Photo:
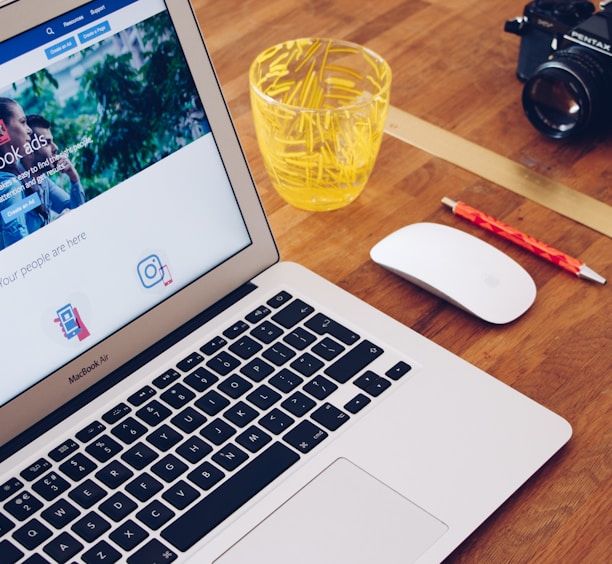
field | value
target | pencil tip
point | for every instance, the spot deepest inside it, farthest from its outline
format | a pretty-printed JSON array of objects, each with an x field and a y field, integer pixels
[{"x": 589, "y": 274}]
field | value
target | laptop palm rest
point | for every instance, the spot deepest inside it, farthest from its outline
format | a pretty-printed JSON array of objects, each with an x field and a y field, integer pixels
[{"x": 343, "y": 515}]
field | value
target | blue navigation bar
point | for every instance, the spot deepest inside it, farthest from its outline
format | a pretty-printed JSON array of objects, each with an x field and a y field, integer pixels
[{"x": 61, "y": 26}]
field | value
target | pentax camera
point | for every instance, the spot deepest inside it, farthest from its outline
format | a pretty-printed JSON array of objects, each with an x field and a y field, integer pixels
[{"x": 565, "y": 60}]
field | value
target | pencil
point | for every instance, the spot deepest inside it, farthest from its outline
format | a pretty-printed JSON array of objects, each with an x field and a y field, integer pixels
[{"x": 534, "y": 246}]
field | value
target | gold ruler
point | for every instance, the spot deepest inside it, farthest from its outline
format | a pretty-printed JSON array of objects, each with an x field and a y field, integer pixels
[{"x": 500, "y": 170}]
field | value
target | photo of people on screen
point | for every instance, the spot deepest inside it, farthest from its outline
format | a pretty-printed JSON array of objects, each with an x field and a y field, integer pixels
[{"x": 88, "y": 121}]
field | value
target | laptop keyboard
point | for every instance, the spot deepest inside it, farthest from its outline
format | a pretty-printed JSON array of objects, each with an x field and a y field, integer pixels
[{"x": 155, "y": 474}]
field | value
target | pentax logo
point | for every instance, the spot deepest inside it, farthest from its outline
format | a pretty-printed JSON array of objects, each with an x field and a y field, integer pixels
[{"x": 601, "y": 45}]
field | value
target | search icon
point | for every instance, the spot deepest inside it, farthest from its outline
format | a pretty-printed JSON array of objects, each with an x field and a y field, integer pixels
[{"x": 50, "y": 31}]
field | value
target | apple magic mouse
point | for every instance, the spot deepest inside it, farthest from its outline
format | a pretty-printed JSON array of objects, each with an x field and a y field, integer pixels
[{"x": 460, "y": 268}]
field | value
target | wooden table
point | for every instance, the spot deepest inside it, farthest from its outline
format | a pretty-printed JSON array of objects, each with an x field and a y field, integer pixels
[{"x": 454, "y": 66}]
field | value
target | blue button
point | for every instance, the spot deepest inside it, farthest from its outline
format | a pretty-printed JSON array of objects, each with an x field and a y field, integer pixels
[
  {"x": 13, "y": 212},
  {"x": 60, "y": 48},
  {"x": 93, "y": 32}
]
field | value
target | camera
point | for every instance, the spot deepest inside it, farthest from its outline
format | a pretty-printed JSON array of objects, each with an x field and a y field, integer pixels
[{"x": 565, "y": 60}]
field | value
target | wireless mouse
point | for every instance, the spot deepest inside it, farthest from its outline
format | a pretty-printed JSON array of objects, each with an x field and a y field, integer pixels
[{"x": 460, "y": 268}]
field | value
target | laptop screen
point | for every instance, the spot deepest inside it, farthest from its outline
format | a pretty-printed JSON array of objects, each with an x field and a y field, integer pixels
[{"x": 113, "y": 193}]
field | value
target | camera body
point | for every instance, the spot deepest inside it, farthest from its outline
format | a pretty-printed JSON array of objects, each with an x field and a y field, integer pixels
[{"x": 565, "y": 59}]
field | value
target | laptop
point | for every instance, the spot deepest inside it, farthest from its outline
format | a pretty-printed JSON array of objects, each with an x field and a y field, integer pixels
[{"x": 170, "y": 390}]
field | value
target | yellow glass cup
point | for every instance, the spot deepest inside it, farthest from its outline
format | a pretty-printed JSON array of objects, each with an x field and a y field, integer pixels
[{"x": 319, "y": 107}]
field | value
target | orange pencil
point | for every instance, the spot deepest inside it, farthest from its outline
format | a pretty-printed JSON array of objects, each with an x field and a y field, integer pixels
[{"x": 534, "y": 246}]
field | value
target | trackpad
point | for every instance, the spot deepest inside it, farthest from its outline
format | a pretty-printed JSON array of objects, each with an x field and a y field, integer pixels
[{"x": 343, "y": 515}]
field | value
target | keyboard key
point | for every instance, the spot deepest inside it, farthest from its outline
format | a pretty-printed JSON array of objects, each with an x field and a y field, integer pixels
[
  {"x": 234, "y": 386},
  {"x": 206, "y": 476},
  {"x": 190, "y": 362},
  {"x": 9, "y": 553},
  {"x": 218, "y": 431},
  {"x": 266, "y": 332},
  {"x": 253, "y": 439},
  {"x": 212, "y": 402},
  {"x": 357, "y": 403},
  {"x": 153, "y": 551},
  {"x": 229, "y": 457},
  {"x": 240, "y": 414},
  {"x": 90, "y": 432},
  {"x": 164, "y": 438},
  {"x": 263, "y": 397},
  {"x": 188, "y": 420},
  {"x": 328, "y": 348},
  {"x": 329, "y": 416},
  {"x": 32, "y": 534},
  {"x": 177, "y": 396},
  {"x": 276, "y": 421},
  {"x": 129, "y": 430},
  {"x": 139, "y": 456},
  {"x": 91, "y": 526},
  {"x": 129, "y": 535},
  {"x": 299, "y": 338},
  {"x": 354, "y": 361},
  {"x": 278, "y": 354},
  {"x": 292, "y": 314},
  {"x": 213, "y": 509},
  {"x": 245, "y": 347},
  {"x": 257, "y": 369},
  {"x": 23, "y": 506},
  {"x": 372, "y": 384},
  {"x": 169, "y": 468},
  {"x": 101, "y": 553},
  {"x": 114, "y": 474},
  {"x": 118, "y": 506},
  {"x": 63, "y": 548},
  {"x": 180, "y": 495},
  {"x": 153, "y": 413},
  {"x": 194, "y": 449},
  {"x": 320, "y": 387},
  {"x": 35, "y": 470},
  {"x": 77, "y": 467},
  {"x": 235, "y": 330},
  {"x": 323, "y": 325},
  {"x": 298, "y": 404},
  {"x": 305, "y": 436},
  {"x": 285, "y": 380},
  {"x": 165, "y": 379},
  {"x": 60, "y": 513},
  {"x": 141, "y": 396},
  {"x": 279, "y": 300},
  {"x": 213, "y": 346},
  {"x": 223, "y": 363},
  {"x": 155, "y": 515},
  {"x": 9, "y": 488},
  {"x": 144, "y": 487},
  {"x": 398, "y": 370},
  {"x": 87, "y": 493},
  {"x": 201, "y": 379},
  {"x": 257, "y": 314},
  {"x": 307, "y": 364},
  {"x": 118, "y": 412},
  {"x": 103, "y": 448},
  {"x": 62, "y": 451},
  {"x": 50, "y": 486},
  {"x": 5, "y": 525}
]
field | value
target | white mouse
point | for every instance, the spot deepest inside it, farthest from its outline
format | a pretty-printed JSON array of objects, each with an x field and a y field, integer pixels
[{"x": 460, "y": 268}]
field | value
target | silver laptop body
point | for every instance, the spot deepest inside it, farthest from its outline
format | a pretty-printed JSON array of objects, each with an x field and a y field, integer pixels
[{"x": 169, "y": 390}]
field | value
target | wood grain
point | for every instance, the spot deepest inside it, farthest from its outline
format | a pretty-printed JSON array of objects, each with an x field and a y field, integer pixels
[{"x": 455, "y": 67}]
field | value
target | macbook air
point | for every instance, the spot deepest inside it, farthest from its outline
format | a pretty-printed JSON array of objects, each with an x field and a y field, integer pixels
[{"x": 170, "y": 390}]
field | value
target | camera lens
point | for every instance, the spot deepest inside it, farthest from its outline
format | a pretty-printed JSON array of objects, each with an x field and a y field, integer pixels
[{"x": 569, "y": 93}]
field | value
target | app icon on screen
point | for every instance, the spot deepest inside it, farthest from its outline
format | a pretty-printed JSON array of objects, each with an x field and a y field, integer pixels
[
  {"x": 152, "y": 271},
  {"x": 71, "y": 323}
]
